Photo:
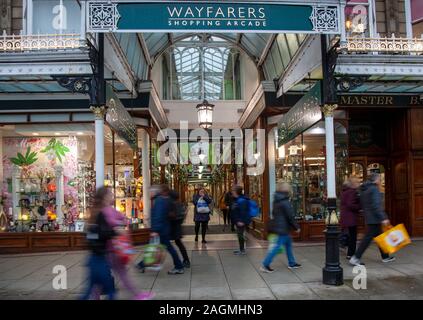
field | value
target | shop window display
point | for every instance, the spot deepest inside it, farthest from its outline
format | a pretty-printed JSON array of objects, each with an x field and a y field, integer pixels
[
  {"x": 302, "y": 163},
  {"x": 120, "y": 161},
  {"x": 47, "y": 177}
]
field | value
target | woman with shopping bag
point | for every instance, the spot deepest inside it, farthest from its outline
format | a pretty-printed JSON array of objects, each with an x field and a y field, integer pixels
[
  {"x": 375, "y": 217},
  {"x": 202, "y": 212},
  {"x": 160, "y": 227}
]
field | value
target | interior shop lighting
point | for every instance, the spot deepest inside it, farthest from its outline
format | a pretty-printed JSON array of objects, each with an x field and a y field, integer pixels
[
  {"x": 199, "y": 176},
  {"x": 200, "y": 169},
  {"x": 281, "y": 152},
  {"x": 35, "y": 134},
  {"x": 202, "y": 156},
  {"x": 57, "y": 133},
  {"x": 315, "y": 158},
  {"x": 79, "y": 133},
  {"x": 257, "y": 155}
]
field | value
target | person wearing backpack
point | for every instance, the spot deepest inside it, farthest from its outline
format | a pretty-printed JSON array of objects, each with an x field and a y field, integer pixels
[
  {"x": 177, "y": 217},
  {"x": 202, "y": 213},
  {"x": 281, "y": 224},
  {"x": 240, "y": 216}
]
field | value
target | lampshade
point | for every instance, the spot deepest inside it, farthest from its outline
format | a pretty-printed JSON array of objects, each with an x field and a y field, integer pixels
[{"x": 205, "y": 114}]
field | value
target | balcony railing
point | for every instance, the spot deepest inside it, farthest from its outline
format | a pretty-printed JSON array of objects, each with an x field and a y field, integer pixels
[
  {"x": 384, "y": 45},
  {"x": 21, "y": 43}
]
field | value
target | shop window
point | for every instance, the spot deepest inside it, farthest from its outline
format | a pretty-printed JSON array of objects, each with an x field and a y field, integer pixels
[
  {"x": 302, "y": 163},
  {"x": 47, "y": 176},
  {"x": 357, "y": 170},
  {"x": 59, "y": 17},
  {"x": 357, "y": 18}
]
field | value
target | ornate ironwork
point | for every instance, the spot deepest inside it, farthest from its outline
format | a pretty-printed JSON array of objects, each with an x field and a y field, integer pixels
[
  {"x": 102, "y": 16},
  {"x": 328, "y": 109},
  {"x": 389, "y": 45},
  {"x": 345, "y": 83},
  {"x": 325, "y": 19},
  {"x": 94, "y": 57},
  {"x": 16, "y": 43},
  {"x": 75, "y": 84},
  {"x": 329, "y": 81}
]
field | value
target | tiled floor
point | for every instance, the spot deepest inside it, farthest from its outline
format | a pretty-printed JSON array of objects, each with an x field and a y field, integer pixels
[{"x": 217, "y": 274}]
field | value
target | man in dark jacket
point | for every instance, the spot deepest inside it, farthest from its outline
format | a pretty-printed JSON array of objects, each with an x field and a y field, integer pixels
[
  {"x": 228, "y": 202},
  {"x": 240, "y": 216},
  {"x": 371, "y": 203},
  {"x": 281, "y": 224},
  {"x": 160, "y": 226}
]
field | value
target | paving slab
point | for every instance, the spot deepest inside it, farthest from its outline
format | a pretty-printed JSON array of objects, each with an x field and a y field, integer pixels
[
  {"x": 293, "y": 291},
  {"x": 253, "y": 294}
]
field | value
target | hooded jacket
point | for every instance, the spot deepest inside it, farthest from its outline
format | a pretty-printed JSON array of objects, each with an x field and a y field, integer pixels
[
  {"x": 371, "y": 203},
  {"x": 350, "y": 207},
  {"x": 283, "y": 215},
  {"x": 160, "y": 221},
  {"x": 239, "y": 210}
]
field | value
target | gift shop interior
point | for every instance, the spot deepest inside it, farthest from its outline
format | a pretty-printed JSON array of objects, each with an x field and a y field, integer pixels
[{"x": 47, "y": 177}]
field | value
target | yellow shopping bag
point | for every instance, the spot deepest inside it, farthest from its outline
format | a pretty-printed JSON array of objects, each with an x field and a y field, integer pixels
[{"x": 393, "y": 239}]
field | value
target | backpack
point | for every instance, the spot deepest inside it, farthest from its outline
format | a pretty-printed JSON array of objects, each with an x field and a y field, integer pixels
[{"x": 253, "y": 209}]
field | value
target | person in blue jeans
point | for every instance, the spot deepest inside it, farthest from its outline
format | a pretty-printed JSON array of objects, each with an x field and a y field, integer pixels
[
  {"x": 281, "y": 224},
  {"x": 99, "y": 233},
  {"x": 160, "y": 226}
]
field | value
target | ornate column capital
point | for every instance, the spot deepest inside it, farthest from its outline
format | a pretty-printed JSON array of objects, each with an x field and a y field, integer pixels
[
  {"x": 328, "y": 109},
  {"x": 99, "y": 112}
]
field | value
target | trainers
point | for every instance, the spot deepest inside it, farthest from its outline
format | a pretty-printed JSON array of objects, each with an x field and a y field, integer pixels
[
  {"x": 144, "y": 296},
  {"x": 176, "y": 271},
  {"x": 355, "y": 261},
  {"x": 240, "y": 252},
  {"x": 390, "y": 259},
  {"x": 186, "y": 264},
  {"x": 348, "y": 257},
  {"x": 266, "y": 269},
  {"x": 294, "y": 266},
  {"x": 141, "y": 267}
]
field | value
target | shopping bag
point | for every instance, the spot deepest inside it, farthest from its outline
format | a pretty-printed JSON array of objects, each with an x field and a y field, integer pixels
[
  {"x": 393, "y": 239},
  {"x": 273, "y": 239},
  {"x": 154, "y": 254},
  {"x": 122, "y": 248}
]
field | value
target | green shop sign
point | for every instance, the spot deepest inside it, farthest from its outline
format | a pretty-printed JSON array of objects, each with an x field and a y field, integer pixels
[
  {"x": 304, "y": 114},
  {"x": 120, "y": 120},
  {"x": 223, "y": 16}
]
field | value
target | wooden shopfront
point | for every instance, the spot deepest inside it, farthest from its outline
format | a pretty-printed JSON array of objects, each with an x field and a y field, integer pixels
[{"x": 385, "y": 134}]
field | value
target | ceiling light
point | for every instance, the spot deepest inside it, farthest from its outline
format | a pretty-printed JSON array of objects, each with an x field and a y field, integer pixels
[
  {"x": 257, "y": 155},
  {"x": 199, "y": 176},
  {"x": 200, "y": 168},
  {"x": 57, "y": 133},
  {"x": 35, "y": 134},
  {"x": 201, "y": 156},
  {"x": 79, "y": 133}
]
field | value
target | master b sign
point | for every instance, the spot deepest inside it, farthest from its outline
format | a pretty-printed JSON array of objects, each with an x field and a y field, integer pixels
[{"x": 224, "y": 16}]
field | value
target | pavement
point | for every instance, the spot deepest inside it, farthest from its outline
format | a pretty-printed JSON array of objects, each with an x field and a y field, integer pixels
[{"x": 216, "y": 273}]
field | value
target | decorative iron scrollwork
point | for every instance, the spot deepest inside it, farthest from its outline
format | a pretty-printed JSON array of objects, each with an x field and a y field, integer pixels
[
  {"x": 345, "y": 83},
  {"x": 75, "y": 84},
  {"x": 325, "y": 19},
  {"x": 102, "y": 16}
]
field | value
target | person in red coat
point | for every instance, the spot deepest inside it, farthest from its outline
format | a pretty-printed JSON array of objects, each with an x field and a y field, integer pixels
[{"x": 350, "y": 209}]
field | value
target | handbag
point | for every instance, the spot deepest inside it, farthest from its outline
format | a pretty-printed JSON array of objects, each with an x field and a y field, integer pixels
[
  {"x": 202, "y": 206},
  {"x": 122, "y": 248},
  {"x": 154, "y": 254},
  {"x": 393, "y": 239}
]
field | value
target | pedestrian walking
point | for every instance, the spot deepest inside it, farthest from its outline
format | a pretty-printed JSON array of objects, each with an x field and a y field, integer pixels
[
  {"x": 240, "y": 216},
  {"x": 282, "y": 224},
  {"x": 228, "y": 202},
  {"x": 374, "y": 215},
  {"x": 177, "y": 217},
  {"x": 350, "y": 210},
  {"x": 202, "y": 212},
  {"x": 160, "y": 226},
  {"x": 99, "y": 233},
  {"x": 117, "y": 220}
]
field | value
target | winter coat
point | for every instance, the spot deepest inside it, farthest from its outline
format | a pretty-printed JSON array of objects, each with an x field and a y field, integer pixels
[
  {"x": 99, "y": 234},
  {"x": 175, "y": 221},
  {"x": 283, "y": 215},
  {"x": 200, "y": 217},
  {"x": 371, "y": 203},
  {"x": 239, "y": 210},
  {"x": 160, "y": 221},
  {"x": 350, "y": 207}
]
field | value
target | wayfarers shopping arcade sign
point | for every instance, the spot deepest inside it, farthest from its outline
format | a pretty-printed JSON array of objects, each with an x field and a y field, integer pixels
[
  {"x": 304, "y": 114},
  {"x": 224, "y": 16}
]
